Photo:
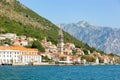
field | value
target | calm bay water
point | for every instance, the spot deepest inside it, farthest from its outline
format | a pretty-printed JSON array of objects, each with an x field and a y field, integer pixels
[{"x": 108, "y": 72}]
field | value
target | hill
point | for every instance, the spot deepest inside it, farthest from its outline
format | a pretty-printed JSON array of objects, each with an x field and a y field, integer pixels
[
  {"x": 103, "y": 38},
  {"x": 17, "y": 18}
]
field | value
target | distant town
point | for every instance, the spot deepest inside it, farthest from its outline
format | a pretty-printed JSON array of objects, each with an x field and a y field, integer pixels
[{"x": 13, "y": 51}]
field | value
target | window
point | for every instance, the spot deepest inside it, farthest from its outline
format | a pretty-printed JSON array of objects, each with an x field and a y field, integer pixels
[{"x": 4, "y": 60}]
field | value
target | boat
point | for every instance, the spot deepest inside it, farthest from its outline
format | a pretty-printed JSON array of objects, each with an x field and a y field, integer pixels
[{"x": 6, "y": 64}]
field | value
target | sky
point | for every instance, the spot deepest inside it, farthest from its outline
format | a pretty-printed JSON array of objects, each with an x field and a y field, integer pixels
[{"x": 99, "y": 12}]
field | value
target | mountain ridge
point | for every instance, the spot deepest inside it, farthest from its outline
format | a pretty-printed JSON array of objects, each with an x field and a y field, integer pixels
[{"x": 103, "y": 38}]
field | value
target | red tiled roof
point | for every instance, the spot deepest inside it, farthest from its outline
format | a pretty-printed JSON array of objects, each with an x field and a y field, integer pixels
[{"x": 17, "y": 47}]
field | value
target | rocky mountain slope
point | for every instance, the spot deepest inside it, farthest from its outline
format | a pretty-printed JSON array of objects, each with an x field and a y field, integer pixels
[
  {"x": 103, "y": 38},
  {"x": 17, "y": 18}
]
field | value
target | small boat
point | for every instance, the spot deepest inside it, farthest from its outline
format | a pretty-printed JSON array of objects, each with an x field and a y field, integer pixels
[{"x": 6, "y": 64}]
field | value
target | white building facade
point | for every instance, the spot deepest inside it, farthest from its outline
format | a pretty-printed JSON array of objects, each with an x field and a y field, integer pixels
[{"x": 17, "y": 54}]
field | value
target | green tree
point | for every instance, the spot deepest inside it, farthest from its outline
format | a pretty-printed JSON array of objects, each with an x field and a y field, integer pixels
[
  {"x": 6, "y": 41},
  {"x": 85, "y": 51},
  {"x": 37, "y": 44},
  {"x": 74, "y": 52},
  {"x": 90, "y": 58}
]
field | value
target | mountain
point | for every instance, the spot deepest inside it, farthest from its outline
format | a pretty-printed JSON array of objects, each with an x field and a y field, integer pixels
[
  {"x": 103, "y": 38},
  {"x": 17, "y": 18}
]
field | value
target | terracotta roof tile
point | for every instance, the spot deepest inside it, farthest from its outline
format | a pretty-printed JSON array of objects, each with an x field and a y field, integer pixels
[
  {"x": 17, "y": 47},
  {"x": 29, "y": 54}
]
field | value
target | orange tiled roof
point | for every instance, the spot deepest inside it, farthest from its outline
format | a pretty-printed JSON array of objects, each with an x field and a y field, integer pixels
[
  {"x": 16, "y": 47},
  {"x": 74, "y": 57},
  {"x": 62, "y": 55},
  {"x": 67, "y": 50},
  {"x": 29, "y": 54},
  {"x": 105, "y": 56},
  {"x": 58, "y": 54},
  {"x": 54, "y": 53}
]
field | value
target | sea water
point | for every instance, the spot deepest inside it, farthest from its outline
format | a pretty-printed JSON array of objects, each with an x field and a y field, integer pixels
[{"x": 104, "y": 72}]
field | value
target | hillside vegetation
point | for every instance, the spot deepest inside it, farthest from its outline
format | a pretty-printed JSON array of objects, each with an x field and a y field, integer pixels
[{"x": 16, "y": 18}]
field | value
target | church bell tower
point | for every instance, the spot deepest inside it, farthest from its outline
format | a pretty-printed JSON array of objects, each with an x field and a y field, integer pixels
[{"x": 60, "y": 41}]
